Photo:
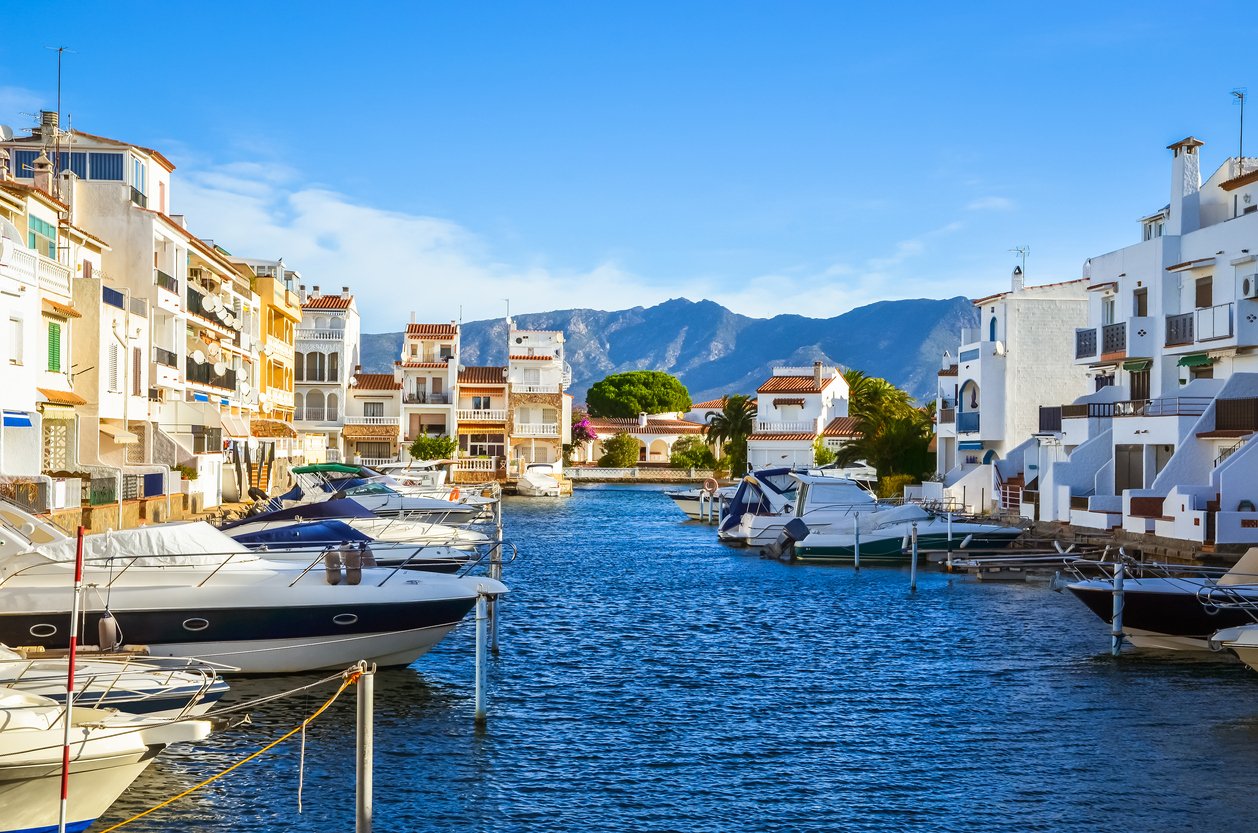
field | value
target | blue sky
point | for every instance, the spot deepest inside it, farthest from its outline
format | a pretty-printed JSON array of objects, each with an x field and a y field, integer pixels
[{"x": 775, "y": 157}]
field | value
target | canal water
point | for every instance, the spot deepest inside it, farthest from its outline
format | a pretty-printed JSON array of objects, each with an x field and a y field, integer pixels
[{"x": 654, "y": 680}]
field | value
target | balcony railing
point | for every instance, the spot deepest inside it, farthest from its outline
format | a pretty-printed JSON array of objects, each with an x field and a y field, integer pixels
[
  {"x": 770, "y": 426},
  {"x": 1179, "y": 329},
  {"x": 138, "y": 198},
  {"x": 476, "y": 464},
  {"x": 970, "y": 335},
  {"x": 1050, "y": 418},
  {"x": 203, "y": 374},
  {"x": 516, "y": 388},
  {"x": 1101, "y": 409},
  {"x": 165, "y": 281},
  {"x": 1236, "y": 415},
  {"x": 1171, "y": 406},
  {"x": 375, "y": 462},
  {"x": 947, "y": 416},
  {"x": 1214, "y": 322},
  {"x": 316, "y": 415},
  {"x": 1085, "y": 343},
  {"x": 426, "y": 399},
  {"x": 53, "y": 277},
  {"x": 482, "y": 414},
  {"x": 535, "y": 429},
  {"x": 371, "y": 420},
  {"x": 1114, "y": 338},
  {"x": 311, "y": 334},
  {"x": 967, "y": 422},
  {"x": 278, "y": 347},
  {"x": 165, "y": 357}
]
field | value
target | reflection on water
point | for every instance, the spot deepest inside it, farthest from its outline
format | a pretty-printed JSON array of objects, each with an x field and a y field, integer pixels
[{"x": 652, "y": 679}]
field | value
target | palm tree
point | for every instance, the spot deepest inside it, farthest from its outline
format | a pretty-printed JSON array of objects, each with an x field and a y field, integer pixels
[
  {"x": 730, "y": 427},
  {"x": 894, "y": 433}
]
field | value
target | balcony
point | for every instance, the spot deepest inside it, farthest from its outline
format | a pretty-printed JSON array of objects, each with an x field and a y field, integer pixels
[
  {"x": 481, "y": 414},
  {"x": 1085, "y": 343},
  {"x": 279, "y": 397},
  {"x": 517, "y": 388},
  {"x": 426, "y": 399},
  {"x": 1179, "y": 329},
  {"x": 535, "y": 429},
  {"x": 316, "y": 415},
  {"x": 166, "y": 282},
  {"x": 1214, "y": 322},
  {"x": 196, "y": 306},
  {"x": 139, "y": 198},
  {"x": 278, "y": 347},
  {"x": 53, "y": 277},
  {"x": 771, "y": 427},
  {"x": 1050, "y": 419},
  {"x": 1171, "y": 406},
  {"x": 311, "y": 334},
  {"x": 970, "y": 335},
  {"x": 203, "y": 374},
  {"x": 375, "y": 462},
  {"x": 947, "y": 416},
  {"x": 1236, "y": 415},
  {"x": 166, "y": 358},
  {"x": 476, "y": 464},
  {"x": 1114, "y": 338},
  {"x": 967, "y": 422},
  {"x": 370, "y": 420}
]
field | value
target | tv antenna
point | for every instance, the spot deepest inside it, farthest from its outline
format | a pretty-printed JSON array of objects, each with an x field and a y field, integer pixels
[
  {"x": 1022, "y": 252},
  {"x": 1238, "y": 97},
  {"x": 56, "y": 165}
]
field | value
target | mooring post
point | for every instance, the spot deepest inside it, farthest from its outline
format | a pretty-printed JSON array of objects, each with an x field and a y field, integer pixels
[
  {"x": 366, "y": 744},
  {"x": 913, "y": 563},
  {"x": 495, "y": 572},
  {"x": 1116, "y": 621},
  {"x": 856, "y": 547},
  {"x": 482, "y": 637}
]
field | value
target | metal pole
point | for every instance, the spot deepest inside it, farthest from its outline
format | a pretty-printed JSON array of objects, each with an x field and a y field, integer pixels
[
  {"x": 482, "y": 623},
  {"x": 856, "y": 548},
  {"x": 913, "y": 563},
  {"x": 74, "y": 640},
  {"x": 495, "y": 572},
  {"x": 1116, "y": 621},
  {"x": 366, "y": 744}
]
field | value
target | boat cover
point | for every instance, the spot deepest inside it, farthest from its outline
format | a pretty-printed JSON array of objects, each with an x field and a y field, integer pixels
[
  {"x": 335, "y": 508},
  {"x": 167, "y": 545},
  {"x": 315, "y": 532}
]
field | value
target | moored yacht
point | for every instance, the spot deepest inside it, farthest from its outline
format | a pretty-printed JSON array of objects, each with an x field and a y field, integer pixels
[
  {"x": 885, "y": 536},
  {"x": 760, "y": 510}
]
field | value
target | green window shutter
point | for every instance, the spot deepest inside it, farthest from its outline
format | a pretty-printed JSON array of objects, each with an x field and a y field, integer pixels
[{"x": 54, "y": 347}]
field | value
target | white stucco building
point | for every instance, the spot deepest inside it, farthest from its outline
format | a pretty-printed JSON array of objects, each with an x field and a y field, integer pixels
[
  {"x": 328, "y": 347},
  {"x": 796, "y": 406}
]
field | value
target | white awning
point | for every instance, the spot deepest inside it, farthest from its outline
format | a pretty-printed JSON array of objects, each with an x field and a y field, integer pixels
[
  {"x": 118, "y": 434},
  {"x": 234, "y": 426}
]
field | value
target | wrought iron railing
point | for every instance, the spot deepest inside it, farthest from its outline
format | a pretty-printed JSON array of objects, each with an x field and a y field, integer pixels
[
  {"x": 1114, "y": 338},
  {"x": 1179, "y": 329},
  {"x": 1085, "y": 343}
]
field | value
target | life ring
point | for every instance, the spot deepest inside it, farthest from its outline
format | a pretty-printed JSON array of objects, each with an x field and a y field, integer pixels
[
  {"x": 454, "y": 494},
  {"x": 710, "y": 486}
]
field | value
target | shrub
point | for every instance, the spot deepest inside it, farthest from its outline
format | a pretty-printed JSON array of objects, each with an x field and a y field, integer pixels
[
  {"x": 892, "y": 485},
  {"x": 692, "y": 453},
  {"x": 433, "y": 448},
  {"x": 821, "y": 454},
  {"x": 619, "y": 452}
]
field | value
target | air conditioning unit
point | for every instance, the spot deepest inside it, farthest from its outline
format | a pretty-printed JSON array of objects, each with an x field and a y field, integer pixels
[{"x": 1249, "y": 286}]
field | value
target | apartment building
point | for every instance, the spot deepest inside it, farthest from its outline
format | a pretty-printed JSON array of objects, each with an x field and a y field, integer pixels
[
  {"x": 482, "y": 397},
  {"x": 328, "y": 348},
  {"x": 796, "y": 407},
  {"x": 372, "y": 431},
  {"x": 539, "y": 413},
  {"x": 428, "y": 372}
]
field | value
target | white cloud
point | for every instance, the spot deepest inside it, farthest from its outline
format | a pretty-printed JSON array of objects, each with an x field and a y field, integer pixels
[
  {"x": 397, "y": 262},
  {"x": 990, "y": 203}
]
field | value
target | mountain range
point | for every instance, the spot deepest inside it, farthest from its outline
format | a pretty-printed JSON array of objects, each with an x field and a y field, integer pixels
[{"x": 715, "y": 351}]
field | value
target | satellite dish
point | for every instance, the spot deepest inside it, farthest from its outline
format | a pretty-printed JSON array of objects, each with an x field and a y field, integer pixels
[
  {"x": 220, "y": 369},
  {"x": 244, "y": 389},
  {"x": 238, "y": 324},
  {"x": 242, "y": 375},
  {"x": 6, "y": 133},
  {"x": 209, "y": 303},
  {"x": 213, "y": 351},
  {"x": 229, "y": 320},
  {"x": 999, "y": 348},
  {"x": 198, "y": 357},
  {"x": 519, "y": 339}
]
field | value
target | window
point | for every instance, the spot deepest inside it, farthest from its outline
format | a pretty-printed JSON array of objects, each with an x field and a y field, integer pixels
[
  {"x": 137, "y": 175},
  {"x": 1140, "y": 305},
  {"x": 532, "y": 376},
  {"x": 299, "y": 366},
  {"x": 42, "y": 237},
  {"x": 24, "y": 163},
  {"x": 15, "y": 340},
  {"x": 480, "y": 403},
  {"x": 1140, "y": 385},
  {"x": 1205, "y": 293},
  {"x": 334, "y": 367},
  {"x": 1204, "y": 372},
  {"x": 54, "y": 346},
  {"x": 113, "y": 368},
  {"x": 375, "y": 450},
  {"x": 299, "y": 405},
  {"x": 1107, "y": 310},
  {"x": 991, "y": 329},
  {"x": 373, "y": 409},
  {"x": 333, "y": 405},
  {"x": 482, "y": 445},
  {"x": 76, "y": 161},
  {"x": 137, "y": 357},
  {"x": 105, "y": 166}
]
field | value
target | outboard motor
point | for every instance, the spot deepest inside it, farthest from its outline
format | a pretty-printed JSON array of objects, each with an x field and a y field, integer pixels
[{"x": 784, "y": 547}]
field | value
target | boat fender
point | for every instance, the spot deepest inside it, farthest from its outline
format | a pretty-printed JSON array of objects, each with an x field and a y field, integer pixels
[
  {"x": 368, "y": 557},
  {"x": 353, "y": 560},
  {"x": 108, "y": 636},
  {"x": 454, "y": 494},
  {"x": 969, "y": 539},
  {"x": 332, "y": 565},
  {"x": 710, "y": 486}
]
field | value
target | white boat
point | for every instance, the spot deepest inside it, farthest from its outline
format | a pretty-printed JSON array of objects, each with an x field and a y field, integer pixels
[
  {"x": 538, "y": 480},
  {"x": 759, "y": 510},
  {"x": 108, "y": 751},
  {"x": 187, "y": 590},
  {"x": 885, "y": 536},
  {"x": 152, "y": 686},
  {"x": 694, "y": 502},
  {"x": 1241, "y": 640}
]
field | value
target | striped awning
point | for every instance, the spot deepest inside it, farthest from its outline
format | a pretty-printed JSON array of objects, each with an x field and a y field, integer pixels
[{"x": 1196, "y": 360}]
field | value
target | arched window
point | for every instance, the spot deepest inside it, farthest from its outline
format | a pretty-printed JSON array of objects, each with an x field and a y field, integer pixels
[
  {"x": 333, "y": 404},
  {"x": 299, "y": 405},
  {"x": 338, "y": 323},
  {"x": 991, "y": 329},
  {"x": 969, "y": 397},
  {"x": 314, "y": 406},
  {"x": 321, "y": 323},
  {"x": 334, "y": 367},
  {"x": 300, "y": 364},
  {"x": 314, "y": 367}
]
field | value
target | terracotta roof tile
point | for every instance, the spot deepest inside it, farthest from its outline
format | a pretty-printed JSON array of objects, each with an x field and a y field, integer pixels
[
  {"x": 431, "y": 330},
  {"x": 710, "y": 404},
  {"x": 951, "y": 371},
  {"x": 370, "y": 432},
  {"x": 375, "y": 381},
  {"x": 328, "y": 302},
  {"x": 797, "y": 436},
  {"x": 603, "y": 425},
  {"x": 271, "y": 428},
  {"x": 441, "y": 365},
  {"x": 62, "y": 397},
  {"x": 793, "y": 384},
  {"x": 64, "y": 310},
  {"x": 841, "y": 427},
  {"x": 482, "y": 375},
  {"x": 533, "y": 358},
  {"x": 1237, "y": 181},
  {"x": 777, "y": 403}
]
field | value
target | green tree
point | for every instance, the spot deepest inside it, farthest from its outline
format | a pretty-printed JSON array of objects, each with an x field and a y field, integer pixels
[
  {"x": 895, "y": 434},
  {"x": 822, "y": 455},
  {"x": 619, "y": 452},
  {"x": 626, "y": 395},
  {"x": 692, "y": 453},
  {"x": 433, "y": 448},
  {"x": 730, "y": 427}
]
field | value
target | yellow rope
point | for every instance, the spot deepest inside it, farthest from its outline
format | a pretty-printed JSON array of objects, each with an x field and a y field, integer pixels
[{"x": 350, "y": 679}]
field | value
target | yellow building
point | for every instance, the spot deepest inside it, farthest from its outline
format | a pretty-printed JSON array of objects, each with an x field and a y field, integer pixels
[{"x": 280, "y": 313}]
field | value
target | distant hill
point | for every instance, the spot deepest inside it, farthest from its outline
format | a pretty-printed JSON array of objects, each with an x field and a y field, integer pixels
[{"x": 716, "y": 351}]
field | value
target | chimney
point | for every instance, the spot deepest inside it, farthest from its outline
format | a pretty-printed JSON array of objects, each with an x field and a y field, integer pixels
[
  {"x": 1185, "y": 208},
  {"x": 314, "y": 292},
  {"x": 301, "y": 292},
  {"x": 47, "y": 130},
  {"x": 43, "y": 173},
  {"x": 816, "y": 373},
  {"x": 412, "y": 316},
  {"x": 4, "y": 165},
  {"x": 642, "y": 419},
  {"x": 345, "y": 292},
  {"x": 1019, "y": 280}
]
